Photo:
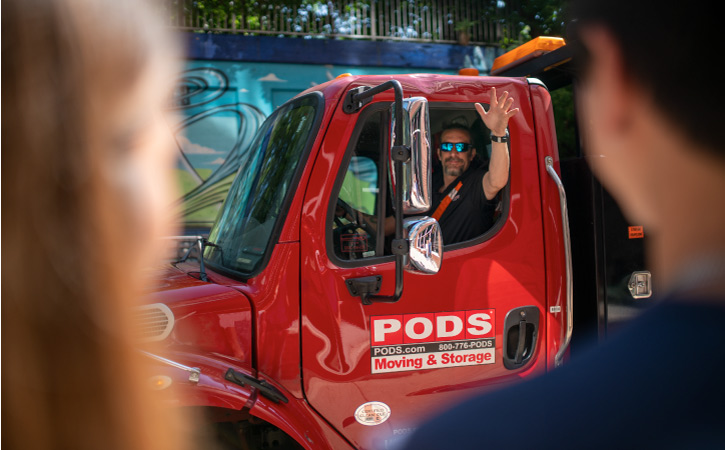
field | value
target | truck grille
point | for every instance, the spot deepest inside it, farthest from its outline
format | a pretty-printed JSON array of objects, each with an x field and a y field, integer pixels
[{"x": 153, "y": 322}]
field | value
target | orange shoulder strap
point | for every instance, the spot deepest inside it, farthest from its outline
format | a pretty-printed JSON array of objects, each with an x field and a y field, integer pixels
[{"x": 447, "y": 201}]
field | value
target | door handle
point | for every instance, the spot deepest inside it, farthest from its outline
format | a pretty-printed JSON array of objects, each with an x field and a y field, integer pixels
[
  {"x": 640, "y": 284},
  {"x": 520, "y": 333}
]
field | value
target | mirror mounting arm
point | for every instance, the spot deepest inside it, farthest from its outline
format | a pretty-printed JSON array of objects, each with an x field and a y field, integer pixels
[
  {"x": 401, "y": 153},
  {"x": 354, "y": 100},
  {"x": 400, "y": 246}
]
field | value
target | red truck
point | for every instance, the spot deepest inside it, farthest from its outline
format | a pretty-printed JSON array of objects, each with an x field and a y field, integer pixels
[{"x": 307, "y": 324}]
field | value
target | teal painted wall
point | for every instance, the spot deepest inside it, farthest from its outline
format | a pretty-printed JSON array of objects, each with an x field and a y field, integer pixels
[{"x": 219, "y": 104}]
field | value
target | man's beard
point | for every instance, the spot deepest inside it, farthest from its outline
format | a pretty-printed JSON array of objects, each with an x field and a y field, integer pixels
[{"x": 453, "y": 171}]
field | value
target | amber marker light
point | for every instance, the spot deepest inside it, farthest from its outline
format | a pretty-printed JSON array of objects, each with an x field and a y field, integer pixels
[
  {"x": 159, "y": 382},
  {"x": 468, "y": 71}
]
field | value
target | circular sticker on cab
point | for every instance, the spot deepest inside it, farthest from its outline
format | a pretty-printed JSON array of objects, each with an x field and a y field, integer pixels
[{"x": 372, "y": 413}]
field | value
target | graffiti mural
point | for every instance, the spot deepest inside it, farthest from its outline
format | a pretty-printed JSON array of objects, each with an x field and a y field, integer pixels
[
  {"x": 481, "y": 58},
  {"x": 220, "y": 104},
  {"x": 213, "y": 136}
]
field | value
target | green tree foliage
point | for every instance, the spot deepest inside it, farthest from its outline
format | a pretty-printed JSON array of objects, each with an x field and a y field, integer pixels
[
  {"x": 565, "y": 121},
  {"x": 295, "y": 16},
  {"x": 542, "y": 17},
  {"x": 518, "y": 20},
  {"x": 531, "y": 18}
]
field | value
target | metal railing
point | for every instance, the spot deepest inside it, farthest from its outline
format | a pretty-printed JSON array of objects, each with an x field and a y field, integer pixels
[{"x": 439, "y": 21}]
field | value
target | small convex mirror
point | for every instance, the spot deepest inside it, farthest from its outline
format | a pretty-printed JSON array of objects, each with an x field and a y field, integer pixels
[
  {"x": 416, "y": 182},
  {"x": 425, "y": 252}
]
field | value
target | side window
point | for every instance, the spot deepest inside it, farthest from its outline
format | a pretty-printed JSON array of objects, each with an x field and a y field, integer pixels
[
  {"x": 462, "y": 151},
  {"x": 360, "y": 200},
  {"x": 362, "y": 223}
]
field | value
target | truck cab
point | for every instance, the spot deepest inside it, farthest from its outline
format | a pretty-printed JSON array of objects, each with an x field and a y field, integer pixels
[
  {"x": 310, "y": 324},
  {"x": 612, "y": 281}
]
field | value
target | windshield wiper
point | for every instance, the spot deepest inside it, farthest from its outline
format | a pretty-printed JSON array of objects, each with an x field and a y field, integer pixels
[{"x": 202, "y": 242}]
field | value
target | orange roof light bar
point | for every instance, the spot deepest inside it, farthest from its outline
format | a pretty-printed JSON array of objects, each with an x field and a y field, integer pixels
[{"x": 532, "y": 49}]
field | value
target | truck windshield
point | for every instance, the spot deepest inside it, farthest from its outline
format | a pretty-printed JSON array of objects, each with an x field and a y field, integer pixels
[{"x": 247, "y": 225}]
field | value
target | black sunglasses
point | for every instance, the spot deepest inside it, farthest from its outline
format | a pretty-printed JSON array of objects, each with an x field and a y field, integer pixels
[{"x": 459, "y": 146}]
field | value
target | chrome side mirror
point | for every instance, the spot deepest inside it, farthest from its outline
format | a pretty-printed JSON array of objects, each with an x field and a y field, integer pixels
[
  {"x": 425, "y": 245},
  {"x": 416, "y": 183}
]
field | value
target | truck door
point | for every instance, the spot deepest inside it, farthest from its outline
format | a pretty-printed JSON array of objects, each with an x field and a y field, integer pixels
[{"x": 373, "y": 371}]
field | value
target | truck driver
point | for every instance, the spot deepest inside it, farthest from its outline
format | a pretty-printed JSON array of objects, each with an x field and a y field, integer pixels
[{"x": 464, "y": 193}]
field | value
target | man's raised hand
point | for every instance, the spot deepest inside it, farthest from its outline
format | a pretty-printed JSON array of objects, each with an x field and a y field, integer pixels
[{"x": 497, "y": 117}]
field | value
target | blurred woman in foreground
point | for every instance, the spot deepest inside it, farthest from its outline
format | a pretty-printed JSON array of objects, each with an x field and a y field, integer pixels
[{"x": 86, "y": 160}]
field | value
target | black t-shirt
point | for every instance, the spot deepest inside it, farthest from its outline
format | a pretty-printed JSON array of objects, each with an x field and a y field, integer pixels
[{"x": 470, "y": 214}]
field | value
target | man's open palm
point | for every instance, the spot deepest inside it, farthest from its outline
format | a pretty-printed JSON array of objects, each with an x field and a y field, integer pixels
[{"x": 497, "y": 117}]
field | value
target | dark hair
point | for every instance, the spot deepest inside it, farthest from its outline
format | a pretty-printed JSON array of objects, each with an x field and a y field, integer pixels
[
  {"x": 456, "y": 126},
  {"x": 72, "y": 377},
  {"x": 666, "y": 46}
]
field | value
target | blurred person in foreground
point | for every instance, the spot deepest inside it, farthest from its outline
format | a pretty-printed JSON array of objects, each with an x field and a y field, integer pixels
[
  {"x": 650, "y": 105},
  {"x": 85, "y": 162}
]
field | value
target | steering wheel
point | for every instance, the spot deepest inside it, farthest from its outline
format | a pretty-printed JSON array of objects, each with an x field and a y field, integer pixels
[{"x": 356, "y": 221}]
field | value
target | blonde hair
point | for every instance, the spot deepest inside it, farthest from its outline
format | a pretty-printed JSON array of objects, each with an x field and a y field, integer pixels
[{"x": 71, "y": 377}]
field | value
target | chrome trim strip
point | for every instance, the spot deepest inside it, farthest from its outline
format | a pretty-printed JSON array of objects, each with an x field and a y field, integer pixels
[
  {"x": 194, "y": 372},
  {"x": 567, "y": 254}
]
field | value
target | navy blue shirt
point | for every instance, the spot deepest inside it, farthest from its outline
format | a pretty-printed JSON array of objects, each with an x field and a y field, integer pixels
[{"x": 658, "y": 383}]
